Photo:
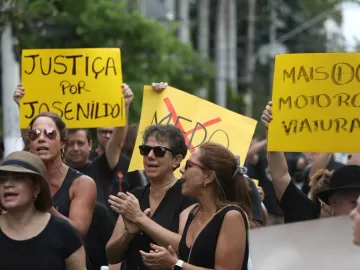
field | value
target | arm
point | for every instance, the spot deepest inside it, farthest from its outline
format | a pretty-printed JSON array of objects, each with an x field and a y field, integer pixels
[
  {"x": 76, "y": 261},
  {"x": 160, "y": 235},
  {"x": 279, "y": 172},
  {"x": 117, "y": 246},
  {"x": 256, "y": 147},
  {"x": 321, "y": 162},
  {"x": 82, "y": 204},
  {"x": 231, "y": 244},
  {"x": 115, "y": 144}
]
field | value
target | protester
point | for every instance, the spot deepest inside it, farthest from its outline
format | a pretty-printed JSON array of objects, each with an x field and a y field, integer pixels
[
  {"x": 340, "y": 195},
  {"x": 101, "y": 168},
  {"x": 163, "y": 150},
  {"x": 215, "y": 235},
  {"x": 31, "y": 238}
]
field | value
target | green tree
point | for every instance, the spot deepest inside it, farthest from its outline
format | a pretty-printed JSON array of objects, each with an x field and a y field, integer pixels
[{"x": 150, "y": 51}]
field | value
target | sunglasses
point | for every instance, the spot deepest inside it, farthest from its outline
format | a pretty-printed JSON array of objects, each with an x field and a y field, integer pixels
[
  {"x": 190, "y": 164},
  {"x": 33, "y": 134},
  {"x": 159, "y": 151}
]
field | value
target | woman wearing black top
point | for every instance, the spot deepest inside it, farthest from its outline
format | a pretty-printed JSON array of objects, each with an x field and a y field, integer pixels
[
  {"x": 163, "y": 150},
  {"x": 31, "y": 238},
  {"x": 215, "y": 235}
]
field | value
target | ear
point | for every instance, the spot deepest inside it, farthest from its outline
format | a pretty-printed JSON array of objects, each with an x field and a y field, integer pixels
[
  {"x": 209, "y": 177},
  {"x": 90, "y": 144},
  {"x": 177, "y": 161}
]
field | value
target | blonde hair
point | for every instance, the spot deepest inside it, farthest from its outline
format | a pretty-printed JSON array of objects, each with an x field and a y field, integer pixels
[{"x": 319, "y": 182}]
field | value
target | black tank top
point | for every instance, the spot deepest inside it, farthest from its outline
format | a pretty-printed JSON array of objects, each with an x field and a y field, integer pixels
[
  {"x": 61, "y": 199},
  {"x": 202, "y": 252}
]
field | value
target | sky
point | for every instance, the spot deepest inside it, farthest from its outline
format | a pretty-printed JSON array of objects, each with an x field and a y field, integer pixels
[{"x": 351, "y": 18}]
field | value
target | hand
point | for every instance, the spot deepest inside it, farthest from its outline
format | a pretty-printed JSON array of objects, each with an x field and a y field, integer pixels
[
  {"x": 19, "y": 93},
  {"x": 126, "y": 205},
  {"x": 159, "y": 258},
  {"x": 127, "y": 94},
  {"x": 261, "y": 193},
  {"x": 131, "y": 227},
  {"x": 267, "y": 115},
  {"x": 159, "y": 87}
]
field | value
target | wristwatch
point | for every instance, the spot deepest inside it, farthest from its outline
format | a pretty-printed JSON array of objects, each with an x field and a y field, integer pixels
[{"x": 178, "y": 265}]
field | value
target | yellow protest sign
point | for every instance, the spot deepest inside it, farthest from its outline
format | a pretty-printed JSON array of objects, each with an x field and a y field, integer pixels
[
  {"x": 83, "y": 86},
  {"x": 198, "y": 119},
  {"x": 316, "y": 103}
]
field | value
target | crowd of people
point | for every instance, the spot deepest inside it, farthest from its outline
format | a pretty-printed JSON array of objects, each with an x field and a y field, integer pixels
[{"x": 65, "y": 206}]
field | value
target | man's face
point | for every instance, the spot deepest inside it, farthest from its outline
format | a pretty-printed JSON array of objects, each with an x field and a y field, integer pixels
[
  {"x": 104, "y": 134},
  {"x": 77, "y": 148}
]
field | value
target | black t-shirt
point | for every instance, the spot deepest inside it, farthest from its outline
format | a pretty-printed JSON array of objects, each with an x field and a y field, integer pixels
[
  {"x": 297, "y": 206},
  {"x": 167, "y": 215},
  {"x": 99, "y": 170},
  {"x": 47, "y": 250},
  {"x": 108, "y": 181}
]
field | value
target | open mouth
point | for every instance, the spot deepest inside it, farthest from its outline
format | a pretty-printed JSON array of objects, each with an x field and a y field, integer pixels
[
  {"x": 10, "y": 195},
  {"x": 42, "y": 148}
]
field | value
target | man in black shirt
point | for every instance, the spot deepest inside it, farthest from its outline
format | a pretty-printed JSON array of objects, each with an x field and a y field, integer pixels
[{"x": 101, "y": 169}]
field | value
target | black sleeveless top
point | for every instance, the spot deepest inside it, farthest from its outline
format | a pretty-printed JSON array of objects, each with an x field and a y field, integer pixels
[
  {"x": 166, "y": 215},
  {"x": 61, "y": 199},
  {"x": 202, "y": 252}
]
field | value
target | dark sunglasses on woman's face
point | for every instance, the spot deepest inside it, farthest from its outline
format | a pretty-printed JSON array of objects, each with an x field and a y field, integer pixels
[
  {"x": 33, "y": 134},
  {"x": 159, "y": 151}
]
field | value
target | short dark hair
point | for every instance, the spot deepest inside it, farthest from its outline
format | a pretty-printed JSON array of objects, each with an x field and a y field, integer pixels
[
  {"x": 74, "y": 130},
  {"x": 170, "y": 134}
]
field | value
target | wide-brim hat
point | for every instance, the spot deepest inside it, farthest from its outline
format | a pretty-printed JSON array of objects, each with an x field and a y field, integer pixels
[
  {"x": 344, "y": 178},
  {"x": 28, "y": 163}
]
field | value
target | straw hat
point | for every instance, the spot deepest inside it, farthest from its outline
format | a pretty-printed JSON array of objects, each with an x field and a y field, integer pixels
[{"x": 26, "y": 162}]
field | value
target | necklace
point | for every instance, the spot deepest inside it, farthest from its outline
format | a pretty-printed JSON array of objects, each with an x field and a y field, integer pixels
[{"x": 166, "y": 187}]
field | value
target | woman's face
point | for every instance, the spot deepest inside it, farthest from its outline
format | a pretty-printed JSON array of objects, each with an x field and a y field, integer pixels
[
  {"x": 45, "y": 139},
  {"x": 158, "y": 162},
  {"x": 355, "y": 215},
  {"x": 195, "y": 176},
  {"x": 17, "y": 191}
]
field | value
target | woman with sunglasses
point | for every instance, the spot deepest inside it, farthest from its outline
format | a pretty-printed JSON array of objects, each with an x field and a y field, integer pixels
[
  {"x": 214, "y": 233},
  {"x": 163, "y": 150},
  {"x": 31, "y": 238},
  {"x": 73, "y": 194}
]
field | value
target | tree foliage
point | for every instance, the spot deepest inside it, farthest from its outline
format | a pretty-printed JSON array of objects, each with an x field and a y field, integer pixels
[{"x": 150, "y": 51}]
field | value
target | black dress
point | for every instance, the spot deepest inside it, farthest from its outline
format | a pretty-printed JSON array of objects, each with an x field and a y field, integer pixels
[
  {"x": 202, "y": 252},
  {"x": 167, "y": 215}
]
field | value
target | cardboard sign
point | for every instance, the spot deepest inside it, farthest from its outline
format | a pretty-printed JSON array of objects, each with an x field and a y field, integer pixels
[
  {"x": 82, "y": 86},
  {"x": 199, "y": 120},
  {"x": 319, "y": 244},
  {"x": 316, "y": 103}
]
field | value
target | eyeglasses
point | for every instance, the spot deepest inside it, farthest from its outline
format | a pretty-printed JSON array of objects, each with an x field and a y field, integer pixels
[
  {"x": 159, "y": 151},
  {"x": 33, "y": 134},
  {"x": 190, "y": 164}
]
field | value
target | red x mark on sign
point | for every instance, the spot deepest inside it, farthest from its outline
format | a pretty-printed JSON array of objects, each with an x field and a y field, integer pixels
[{"x": 174, "y": 117}]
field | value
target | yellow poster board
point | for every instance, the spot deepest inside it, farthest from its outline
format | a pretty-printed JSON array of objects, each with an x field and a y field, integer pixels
[
  {"x": 316, "y": 103},
  {"x": 198, "y": 119},
  {"x": 82, "y": 86}
]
